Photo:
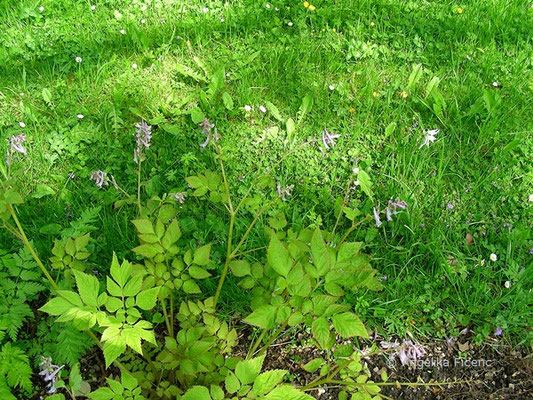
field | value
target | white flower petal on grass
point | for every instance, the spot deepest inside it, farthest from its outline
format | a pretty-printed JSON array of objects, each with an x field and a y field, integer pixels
[
  {"x": 495, "y": 84},
  {"x": 290, "y": 23},
  {"x": 22, "y": 124},
  {"x": 78, "y": 59},
  {"x": 80, "y": 116},
  {"x": 41, "y": 9},
  {"x": 331, "y": 87},
  {"x": 143, "y": 8},
  {"x": 430, "y": 137},
  {"x": 93, "y": 8},
  {"x": 205, "y": 10},
  {"x": 267, "y": 5},
  {"x": 134, "y": 66},
  {"x": 247, "y": 108},
  {"x": 531, "y": 198},
  {"x": 507, "y": 284},
  {"x": 263, "y": 109},
  {"x": 143, "y": 21},
  {"x": 123, "y": 31},
  {"x": 493, "y": 257}
]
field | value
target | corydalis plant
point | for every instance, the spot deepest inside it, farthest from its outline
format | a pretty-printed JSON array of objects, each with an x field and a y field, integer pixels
[
  {"x": 49, "y": 373},
  {"x": 390, "y": 210},
  {"x": 328, "y": 139},
  {"x": 207, "y": 128},
  {"x": 143, "y": 139},
  {"x": 15, "y": 146}
]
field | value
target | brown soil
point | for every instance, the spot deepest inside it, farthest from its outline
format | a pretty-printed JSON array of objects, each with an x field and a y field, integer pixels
[{"x": 494, "y": 371}]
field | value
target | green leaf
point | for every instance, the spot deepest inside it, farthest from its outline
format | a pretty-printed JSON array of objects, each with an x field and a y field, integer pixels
[
  {"x": 278, "y": 257},
  {"x": 349, "y": 325},
  {"x": 415, "y": 76},
  {"x": 287, "y": 392},
  {"x": 348, "y": 251},
  {"x": 365, "y": 183},
  {"x": 267, "y": 381},
  {"x": 57, "y": 306},
  {"x": 75, "y": 378},
  {"x": 128, "y": 381},
  {"x": 321, "y": 253},
  {"x": 313, "y": 365},
  {"x": 232, "y": 383},
  {"x": 227, "y": 100},
  {"x": 201, "y": 255},
  {"x": 13, "y": 197},
  {"x": 144, "y": 226},
  {"x": 197, "y": 115},
  {"x": 290, "y": 127},
  {"x": 191, "y": 287},
  {"x": 47, "y": 95},
  {"x": 320, "y": 330},
  {"x": 197, "y": 393},
  {"x": 240, "y": 268},
  {"x": 216, "y": 84},
  {"x": 194, "y": 182},
  {"x": 120, "y": 273},
  {"x": 172, "y": 234},
  {"x": 274, "y": 111},
  {"x": 88, "y": 287},
  {"x": 263, "y": 317},
  {"x": 248, "y": 370},
  {"x": 148, "y": 250},
  {"x": 102, "y": 394},
  {"x": 198, "y": 272},
  {"x": 42, "y": 190},
  {"x": 307, "y": 104},
  {"x": 112, "y": 349},
  {"x": 184, "y": 70},
  {"x": 147, "y": 299}
]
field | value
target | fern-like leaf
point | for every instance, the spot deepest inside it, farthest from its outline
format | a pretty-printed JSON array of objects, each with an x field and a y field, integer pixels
[{"x": 15, "y": 367}]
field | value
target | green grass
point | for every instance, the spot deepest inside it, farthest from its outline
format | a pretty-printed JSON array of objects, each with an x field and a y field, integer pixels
[{"x": 481, "y": 162}]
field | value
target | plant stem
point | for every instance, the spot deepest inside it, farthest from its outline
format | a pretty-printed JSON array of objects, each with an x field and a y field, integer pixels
[
  {"x": 348, "y": 383},
  {"x": 139, "y": 187},
  {"x": 30, "y": 248},
  {"x": 351, "y": 229},
  {"x": 167, "y": 322},
  {"x": 228, "y": 258},
  {"x": 273, "y": 337},
  {"x": 241, "y": 242},
  {"x": 256, "y": 344}
]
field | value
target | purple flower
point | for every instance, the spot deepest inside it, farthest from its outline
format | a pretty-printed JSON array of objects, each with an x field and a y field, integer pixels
[
  {"x": 206, "y": 130},
  {"x": 285, "y": 192},
  {"x": 49, "y": 373},
  {"x": 100, "y": 178},
  {"x": 143, "y": 139},
  {"x": 410, "y": 352},
  {"x": 15, "y": 146},
  {"x": 388, "y": 214},
  {"x": 498, "y": 331},
  {"x": 398, "y": 204},
  {"x": 328, "y": 139},
  {"x": 449, "y": 206},
  {"x": 376, "y": 217},
  {"x": 179, "y": 197}
]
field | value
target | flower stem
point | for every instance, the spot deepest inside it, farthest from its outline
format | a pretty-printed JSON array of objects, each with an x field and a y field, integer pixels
[{"x": 30, "y": 248}]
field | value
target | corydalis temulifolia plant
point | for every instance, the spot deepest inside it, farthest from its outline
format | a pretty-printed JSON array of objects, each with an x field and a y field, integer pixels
[{"x": 154, "y": 316}]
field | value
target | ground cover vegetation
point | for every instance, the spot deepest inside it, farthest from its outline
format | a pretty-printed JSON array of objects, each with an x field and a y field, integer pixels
[{"x": 187, "y": 183}]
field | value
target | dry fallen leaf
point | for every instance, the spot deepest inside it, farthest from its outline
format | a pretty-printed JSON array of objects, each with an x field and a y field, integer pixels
[
  {"x": 469, "y": 239},
  {"x": 463, "y": 346}
]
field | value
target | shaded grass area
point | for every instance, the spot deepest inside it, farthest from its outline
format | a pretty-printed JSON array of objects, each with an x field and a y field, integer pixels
[{"x": 481, "y": 164}]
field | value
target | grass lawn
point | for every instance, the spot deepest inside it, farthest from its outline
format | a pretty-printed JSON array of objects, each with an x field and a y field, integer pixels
[{"x": 76, "y": 76}]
